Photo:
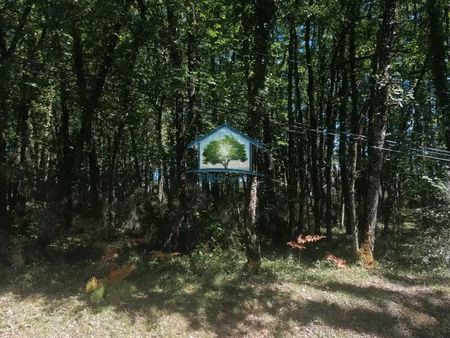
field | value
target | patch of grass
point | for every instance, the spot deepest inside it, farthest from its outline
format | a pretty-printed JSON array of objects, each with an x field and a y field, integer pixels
[{"x": 211, "y": 295}]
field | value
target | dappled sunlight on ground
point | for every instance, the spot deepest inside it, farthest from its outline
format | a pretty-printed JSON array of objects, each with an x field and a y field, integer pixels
[{"x": 172, "y": 301}]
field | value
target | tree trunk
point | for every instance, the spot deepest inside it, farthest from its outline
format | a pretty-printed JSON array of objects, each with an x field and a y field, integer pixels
[
  {"x": 313, "y": 126},
  {"x": 179, "y": 123},
  {"x": 251, "y": 241},
  {"x": 89, "y": 102},
  {"x": 194, "y": 120},
  {"x": 355, "y": 130},
  {"x": 378, "y": 116},
  {"x": 94, "y": 179},
  {"x": 300, "y": 142},
  {"x": 22, "y": 132},
  {"x": 264, "y": 13},
  {"x": 3, "y": 178},
  {"x": 435, "y": 10},
  {"x": 65, "y": 172},
  {"x": 6, "y": 60},
  {"x": 292, "y": 158},
  {"x": 126, "y": 106},
  {"x": 331, "y": 128}
]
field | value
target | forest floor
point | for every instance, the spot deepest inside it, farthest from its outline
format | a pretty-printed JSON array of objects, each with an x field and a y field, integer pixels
[{"x": 216, "y": 298}]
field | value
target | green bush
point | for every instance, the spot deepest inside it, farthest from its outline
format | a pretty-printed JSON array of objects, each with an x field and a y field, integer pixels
[{"x": 427, "y": 248}]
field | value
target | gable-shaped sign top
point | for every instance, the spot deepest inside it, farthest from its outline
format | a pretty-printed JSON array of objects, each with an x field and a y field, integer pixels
[{"x": 225, "y": 149}]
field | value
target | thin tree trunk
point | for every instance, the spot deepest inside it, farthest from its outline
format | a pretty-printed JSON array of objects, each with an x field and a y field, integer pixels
[
  {"x": 343, "y": 163},
  {"x": 65, "y": 179},
  {"x": 292, "y": 158},
  {"x": 331, "y": 128},
  {"x": 313, "y": 125},
  {"x": 22, "y": 131},
  {"x": 27, "y": 94},
  {"x": 300, "y": 141},
  {"x": 161, "y": 152},
  {"x": 251, "y": 241},
  {"x": 6, "y": 60},
  {"x": 435, "y": 10},
  {"x": 179, "y": 123},
  {"x": 355, "y": 130},
  {"x": 126, "y": 105},
  {"x": 194, "y": 119},
  {"x": 137, "y": 167},
  {"x": 94, "y": 179}
]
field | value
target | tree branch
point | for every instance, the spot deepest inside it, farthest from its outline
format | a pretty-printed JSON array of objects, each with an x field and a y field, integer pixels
[
  {"x": 19, "y": 30},
  {"x": 78, "y": 66},
  {"x": 3, "y": 49},
  {"x": 107, "y": 58}
]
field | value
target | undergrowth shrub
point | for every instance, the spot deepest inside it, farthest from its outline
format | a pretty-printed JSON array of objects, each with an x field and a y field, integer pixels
[
  {"x": 217, "y": 259},
  {"x": 428, "y": 247}
]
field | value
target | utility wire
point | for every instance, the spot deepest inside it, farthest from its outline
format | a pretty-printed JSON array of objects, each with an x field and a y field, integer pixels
[
  {"x": 431, "y": 153},
  {"x": 364, "y": 137}
]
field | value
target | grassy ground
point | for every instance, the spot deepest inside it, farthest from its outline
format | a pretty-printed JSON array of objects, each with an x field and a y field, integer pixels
[{"x": 215, "y": 298}]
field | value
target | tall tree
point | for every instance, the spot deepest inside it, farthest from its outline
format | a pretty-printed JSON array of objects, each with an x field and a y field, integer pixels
[
  {"x": 339, "y": 49},
  {"x": 355, "y": 128},
  {"x": 89, "y": 101},
  {"x": 7, "y": 54},
  {"x": 299, "y": 120},
  {"x": 437, "y": 36},
  {"x": 264, "y": 13},
  {"x": 179, "y": 123},
  {"x": 292, "y": 152},
  {"x": 127, "y": 68},
  {"x": 378, "y": 117},
  {"x": 313, "y": 125}
]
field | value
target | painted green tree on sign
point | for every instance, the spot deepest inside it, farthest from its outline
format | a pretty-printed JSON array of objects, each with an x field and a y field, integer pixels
[{"x": 223, "y": 151}]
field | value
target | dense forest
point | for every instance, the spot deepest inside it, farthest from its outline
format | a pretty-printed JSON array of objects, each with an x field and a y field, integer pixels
[
  {"x": 339, "y": 229},
  {"x": 98, "y": 100}
]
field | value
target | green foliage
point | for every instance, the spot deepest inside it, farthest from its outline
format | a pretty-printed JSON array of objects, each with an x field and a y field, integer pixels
[
  {"x": 436, "y": 210},
  {"x": 224, "y": 150},
  {"x": 98, "y": 294},
  {"x": 423, "y": 250},
  {"x": 424, "y": 243}
]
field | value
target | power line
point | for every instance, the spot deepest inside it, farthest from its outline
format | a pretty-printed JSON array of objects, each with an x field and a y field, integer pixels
[
  {"x": 428, "y": 152},
  {"x": 420, "y": 149},
  {"x": 421, "y": 155}
]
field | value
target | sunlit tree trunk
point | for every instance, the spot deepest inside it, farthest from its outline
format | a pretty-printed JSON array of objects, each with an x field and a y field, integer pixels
[
  {"x": 331, "y": 127},
  {"x": 378, "y": 117},
  {"x": 355, "y": 130},
  {"x": 299, "y": 119}
]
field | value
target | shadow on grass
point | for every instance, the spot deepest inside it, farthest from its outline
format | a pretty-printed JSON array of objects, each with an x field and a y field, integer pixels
[
  {"x": 421, "y": 312},
  {"x": 416, "y": 280},
  {"x": 230, "y": 302}
]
